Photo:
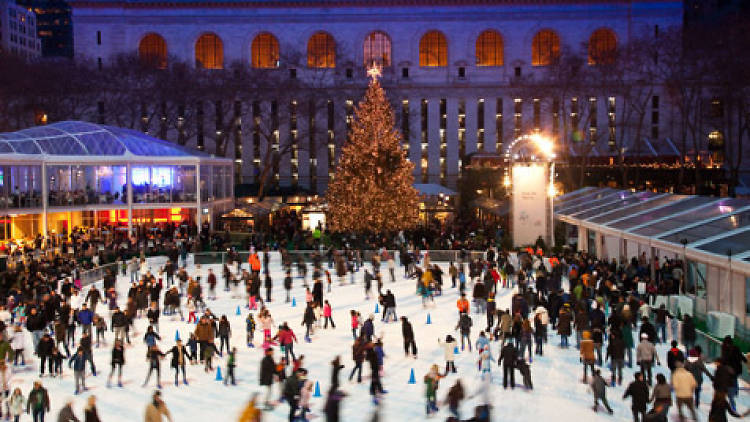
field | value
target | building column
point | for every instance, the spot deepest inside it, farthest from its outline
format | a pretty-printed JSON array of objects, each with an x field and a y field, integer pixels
[
  {"x": 340, "y": 134},
  {"x": 509, "y": 121},
  {"x": 248, "y": 166},
  {"x": 303, "y": 142},
  {"x": 451, "y": 138},
  {"x": 45, "y": 193},
  {"x": 490, "y": 107},
  {"x": 198, "y": 209},
  {"x": 321, "y": 146},
  {"x": 433, "y": 140},
  {"x": 285, "y": 139},
  {"x": 470, "y": 137},
  {"x": 602, "y": 124},
  {"x": 415, "y": 137},
  {"x": 129, "y": 181}
]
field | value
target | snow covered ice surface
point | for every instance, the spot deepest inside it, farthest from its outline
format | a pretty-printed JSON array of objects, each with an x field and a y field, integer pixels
[{"x": 558, "y": 392}]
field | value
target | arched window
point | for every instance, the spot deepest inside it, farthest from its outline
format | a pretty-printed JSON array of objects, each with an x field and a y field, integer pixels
[
  {"x": 602, "y": 47},
  {"x": 321, "y": 51},
  {"x": 489, "y": 49},
  {"x": 377, "y": 49},
  {"x": 265, "y": 51},
  {"x": 545, "y": 49},
  {"x": 152, "y": 51},
  {"x": 433, "y": 50},
  {"x": 209, "y": 52}
]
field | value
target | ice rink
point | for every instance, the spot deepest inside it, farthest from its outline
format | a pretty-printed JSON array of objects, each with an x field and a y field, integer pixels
[{"x": 558, "y": 391}]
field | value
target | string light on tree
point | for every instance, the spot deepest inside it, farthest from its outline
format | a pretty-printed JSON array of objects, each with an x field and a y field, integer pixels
[{"x": 372, "y": 189}]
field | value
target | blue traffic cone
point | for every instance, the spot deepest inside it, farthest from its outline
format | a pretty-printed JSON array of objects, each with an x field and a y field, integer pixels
[
  {"x": 377, "y": 309},
  {"x": 317, "y": 390},
  {"x": 238, "y": 312},
  {"x": 429, "y": 320},
  {"x": 294, "y": 302},
  {"x": 176, "y": 335},
  {"x": 455, "y": 350},
  {"x": 412, "y": 378},
  {"x": 218, "y": 374}
]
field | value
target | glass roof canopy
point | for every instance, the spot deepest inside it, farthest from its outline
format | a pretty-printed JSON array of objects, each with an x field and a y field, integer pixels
[
  {"x": 714, "y": 225},
  {"x": 83, "y": 139}
]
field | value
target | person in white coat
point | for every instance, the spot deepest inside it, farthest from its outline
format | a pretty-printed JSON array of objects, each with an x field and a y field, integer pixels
[
  {"x": 449, "y": 351},
  {"x": 18, "y": 344},
  {"x": 16, "y": 404}
]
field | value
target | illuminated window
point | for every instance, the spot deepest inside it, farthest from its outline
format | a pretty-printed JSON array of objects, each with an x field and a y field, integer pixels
[
  {"x": 545, "y": 49},
  {"x": 377, "y": 49},
  {"x": 433, "y": 50},
  {"x": 152, "y": 51},
  {"x": 209, "y": 52},
  {"x": 265, "y": 51},
  {"x": 321, "y": 51},
  {"x": 602, "y": 47},
  {"x": 489, "y": 49}
]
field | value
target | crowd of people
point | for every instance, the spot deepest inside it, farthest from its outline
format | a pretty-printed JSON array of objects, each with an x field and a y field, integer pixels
[{"x": 603, "y": 305}]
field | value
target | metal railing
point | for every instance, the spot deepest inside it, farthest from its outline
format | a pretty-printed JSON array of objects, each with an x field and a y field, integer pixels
[{"x": 215, "y": 258}]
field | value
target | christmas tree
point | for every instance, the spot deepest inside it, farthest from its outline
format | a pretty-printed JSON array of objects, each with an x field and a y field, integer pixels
[{"x": 372, "y": 189}]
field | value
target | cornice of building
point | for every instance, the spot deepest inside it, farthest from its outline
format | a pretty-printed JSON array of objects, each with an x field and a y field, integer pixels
[{"x": 285, "y": 4}]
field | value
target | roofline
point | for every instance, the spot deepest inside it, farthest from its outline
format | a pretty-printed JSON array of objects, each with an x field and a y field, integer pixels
[
  {"x": 51, "y": 159},
  {"x": 275, "y": 4}
]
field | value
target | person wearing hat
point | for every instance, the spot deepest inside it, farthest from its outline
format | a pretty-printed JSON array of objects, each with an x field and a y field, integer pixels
[
  {"x": 449, "y": 349},
  {"x": 697, "y": 367},
  {"x": 645, "y": 354},
  {"x": 587, "y": 353}
]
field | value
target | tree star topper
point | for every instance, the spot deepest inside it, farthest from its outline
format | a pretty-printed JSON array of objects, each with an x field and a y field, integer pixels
[{"x": 374, "y": 72}]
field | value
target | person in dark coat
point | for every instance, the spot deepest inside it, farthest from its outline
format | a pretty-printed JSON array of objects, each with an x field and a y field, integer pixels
[
  {"x": 508, "y": 357},
  {"x": 336, "y": 368},
  {"x": 696, "y": 366},
  {"x": 333, "y": 402},
  {"x": 308, "y": 320},
  {"x": 723, "y": 377},
  {"x": 180, "y": 355},
  {"x": 317, "y": 292},
  {"x": 118, "y": 360},
  {"x": 638, "y": 391},
  {"x": 292, "y": 391},
  {"x": 563, "y": 325},
  {"x": 648, "y": 329},
  {"x": 674, "y": 355},
  {"x": 616, "y": 354},
  {"x": 408, "y": 333},
  {"x": 464, "y": 327},
  {"x": 66, "y": 413},
  {"x": 688, "y": 331},
  {"x": 267, "y": 371},
  {"x": 720, "y": 407},
  {"x": 44, "y": 351},
  {"x": 733, "y": 357},
  {"x": 368, "y": 329}
]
